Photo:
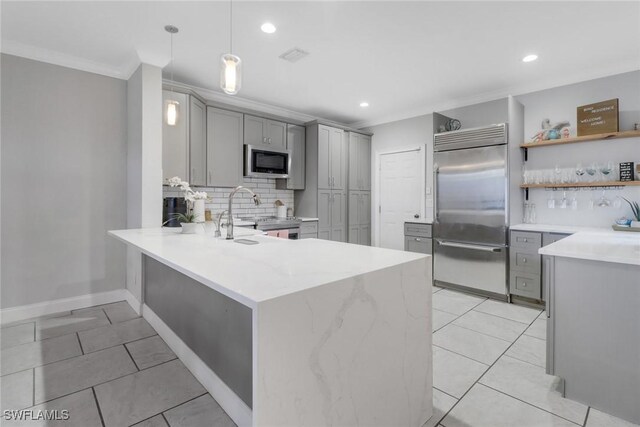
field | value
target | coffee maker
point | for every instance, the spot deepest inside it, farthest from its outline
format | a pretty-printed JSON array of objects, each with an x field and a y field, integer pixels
[{"x": 170, "y": 207}]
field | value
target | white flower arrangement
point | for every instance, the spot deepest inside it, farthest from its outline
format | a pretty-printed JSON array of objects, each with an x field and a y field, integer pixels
[{"x": 189, "y": 195}]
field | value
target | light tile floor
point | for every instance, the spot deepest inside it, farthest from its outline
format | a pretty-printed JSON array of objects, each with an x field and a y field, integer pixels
[{"x": 108, "y": 367}]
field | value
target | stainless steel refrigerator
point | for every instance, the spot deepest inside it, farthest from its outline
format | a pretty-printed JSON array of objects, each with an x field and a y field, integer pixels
[{"x": 471, "y": 218}]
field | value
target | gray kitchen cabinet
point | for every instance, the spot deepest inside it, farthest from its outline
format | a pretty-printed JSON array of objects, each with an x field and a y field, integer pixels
[
  {"x": 175, "y": 139},
  {"x": 359, "y": 161},
  {"x": 296, "y": 143},
  {"x": 324, "y": 195},
  {"x": 360, "y": 217},
  {"x": 197, "y": 142},
  {"x": 418, "y": 237},
  {"x": 526, "y": 277},
  {"x": 225, "y": 130},
  {"x": 309, "y": 230},
  {"x": 259, "y": 130}
]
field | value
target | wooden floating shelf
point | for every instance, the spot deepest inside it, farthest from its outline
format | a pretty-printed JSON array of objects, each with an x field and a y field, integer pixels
[
  {"x": 586, "y": 138},
  {"x": 584, "y": 184}
]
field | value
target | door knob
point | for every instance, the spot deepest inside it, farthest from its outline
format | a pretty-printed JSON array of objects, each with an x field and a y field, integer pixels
[{"x": 416, "y": 216}]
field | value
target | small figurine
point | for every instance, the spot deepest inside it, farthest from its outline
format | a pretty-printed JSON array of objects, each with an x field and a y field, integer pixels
[
  {"x": 566, "y": 133},
  {"x": 538, "y": 136},
  {"x": 549, "y": 131}
]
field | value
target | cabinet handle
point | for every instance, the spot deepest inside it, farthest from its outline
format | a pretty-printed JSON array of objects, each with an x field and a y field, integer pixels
[
  {"x": 264, "y": 139},
  {"x": 417, "y": 239},
  {"x": 524, "y": 284},
  {"x": 525, "y": 240},
  {"x": 524, "y": 260},
  {"x": 269, "y": 140}
]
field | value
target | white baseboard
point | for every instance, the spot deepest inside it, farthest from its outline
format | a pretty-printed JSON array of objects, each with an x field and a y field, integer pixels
[
  {"x": 239, "y": 412},
  {"x": 14, "y": 314}
]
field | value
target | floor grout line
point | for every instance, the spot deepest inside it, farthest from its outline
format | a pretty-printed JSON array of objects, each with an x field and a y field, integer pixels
[
  {"x": 80, "y": 343},
  {"x": 506, "y": 318},
  {"x": 523, "y": 361},
  {"x": 161, "y": 413},
  {"x": 165, "y": 418},
  {"x": 95, "y": 397},
  {"x": 462, "y": 355},
  {"x": 448, "y": 394},
  {"x": 132, "y": 359},
  {"x": 482, "y": 333},
  {"x": 528, "y": 403},
  {"x": 586, "y": 417}
]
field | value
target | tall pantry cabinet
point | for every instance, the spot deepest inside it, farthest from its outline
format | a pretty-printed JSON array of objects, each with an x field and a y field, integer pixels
[
  {"x": 325, "y": 193},
  {"x": 338, "y": 184}
]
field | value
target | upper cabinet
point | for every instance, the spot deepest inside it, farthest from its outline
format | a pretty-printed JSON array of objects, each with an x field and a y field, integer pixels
[
  {"x": 332, "y": 156},
  {"x": 175, "y": 139},
  {"x": 197, "y": 142},
  {"x": 258, "y": 130},
  {"x": 359, "y": 162},
  {"x": 296, "y": 143},
  {"x": 225, "y": 132}
]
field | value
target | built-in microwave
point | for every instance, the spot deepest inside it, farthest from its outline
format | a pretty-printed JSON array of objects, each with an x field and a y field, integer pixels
[{"x": 266, "y": 161}]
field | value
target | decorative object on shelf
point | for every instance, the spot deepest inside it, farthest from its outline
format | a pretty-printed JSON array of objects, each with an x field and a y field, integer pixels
[
  {"x": 171, "y": 113},
  {"x": 626, "y": 171},
  {"x": 549, "y": 131},
  {"x": 452, "y": 124},
  {"x": 624, "y": 221},
  {"x": 597, "y": 118},
  {"x": 231, "y": 65},
  {"x": 536, "y": 142},
  {"x": 566, "y": 133},
  {"x": 187, "y": 221},
  {"x": 635, "y": 209},
  {"x": 195, "y": 199}
]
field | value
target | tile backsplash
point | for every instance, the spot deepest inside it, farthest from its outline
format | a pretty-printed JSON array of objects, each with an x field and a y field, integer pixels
[{"x": 243, "y": 203}]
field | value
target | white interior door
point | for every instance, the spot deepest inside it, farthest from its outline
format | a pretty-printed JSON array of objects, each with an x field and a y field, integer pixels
[{"x": 400, "y": 198}]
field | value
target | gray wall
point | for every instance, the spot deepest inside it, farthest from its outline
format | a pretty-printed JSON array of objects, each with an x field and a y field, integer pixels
[{"x": 64, "y": 158}]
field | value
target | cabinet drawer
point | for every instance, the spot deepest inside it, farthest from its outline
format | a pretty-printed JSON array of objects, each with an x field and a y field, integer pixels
[
  {"x": 526, "y": 285},
  {"x": 549, "y": 238},
  {"x": 525, "y": 261},
  {"x": 308, "y": 235},
  {"x": 526, "y": 240},
  {"x": 310, "y": 227},
  {"x": 418, "y": 244},
  {"x": 417, "y": 229}
]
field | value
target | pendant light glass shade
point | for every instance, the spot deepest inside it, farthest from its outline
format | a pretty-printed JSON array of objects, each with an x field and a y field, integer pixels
[
  {"x": 230, "y": 73},
  {"x": 172, "y": 112}
]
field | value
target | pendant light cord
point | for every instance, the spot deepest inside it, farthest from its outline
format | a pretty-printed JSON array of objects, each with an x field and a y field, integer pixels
[
  {"x": 231, "y": 27},
  {"x": 171, "y": 62}
]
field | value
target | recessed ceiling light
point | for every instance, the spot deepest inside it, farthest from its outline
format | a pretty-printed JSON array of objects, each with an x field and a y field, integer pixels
[
  {"x": 364, "y": 104},
  {"x": 268, "y": 28},
  {"x": 530, "y": 58}
]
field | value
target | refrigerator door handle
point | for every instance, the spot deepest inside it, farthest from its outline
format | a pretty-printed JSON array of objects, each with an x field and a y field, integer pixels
[
  {"x": 435, "y": 192},
  {"x": 470, "y": 246}
]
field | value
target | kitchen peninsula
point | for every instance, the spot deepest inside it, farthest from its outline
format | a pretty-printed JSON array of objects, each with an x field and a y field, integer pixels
[
  {"x": 593, "y": 321},
  {"x": 294, "y": 332}
]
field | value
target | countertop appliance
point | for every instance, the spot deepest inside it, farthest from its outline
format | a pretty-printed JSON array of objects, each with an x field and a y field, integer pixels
[
  {"x": 471, "y": 222},
  {"x": 272, "y": 223},
  {"x": 266, "y": 161},
  {"x": 170, "y": 207}
]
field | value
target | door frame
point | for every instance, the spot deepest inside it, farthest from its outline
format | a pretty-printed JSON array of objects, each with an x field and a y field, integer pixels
[{"x": 375, "y": 199}]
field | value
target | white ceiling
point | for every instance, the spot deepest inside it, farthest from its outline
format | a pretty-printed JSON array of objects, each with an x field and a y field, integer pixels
[{"x": 404, "y": 58}]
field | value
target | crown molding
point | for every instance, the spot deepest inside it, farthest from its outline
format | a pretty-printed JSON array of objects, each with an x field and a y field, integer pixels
[{"x": 615, "y": 69}]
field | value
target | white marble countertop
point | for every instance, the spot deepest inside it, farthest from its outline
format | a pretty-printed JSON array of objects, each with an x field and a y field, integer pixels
[
  {"x": 603, "y": 245},
  {"x": 251, "y": 274},
  {"x": 550, "y": 228}
]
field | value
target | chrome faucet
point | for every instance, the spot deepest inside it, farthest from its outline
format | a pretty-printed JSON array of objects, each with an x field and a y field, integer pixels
[
  {"x": 219, "y": 224},
  {"x": 256, "y": 200}
]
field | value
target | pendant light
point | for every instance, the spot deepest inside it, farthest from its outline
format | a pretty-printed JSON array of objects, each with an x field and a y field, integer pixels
[
  {"x": 230, "y": 65},
  {"x": 172, "y": 106}
]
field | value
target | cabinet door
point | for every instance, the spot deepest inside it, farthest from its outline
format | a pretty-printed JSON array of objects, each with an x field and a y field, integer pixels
[
  {"x": 296, "y": 143},
  {"x": 197, "y": 142},
  {"x": 355, "y": 200},
  {"x": 324, "y": 214},
  {"x": 354, "y": 234},
  {"x": 364, "y": 211},
  {"x": 365, "y": 235},
  {"x": 276, "y": 133},
  {"x": 224, "y": 147},
  {"x": 417, "y": 244},
  {"x": 324, "y": 157},
  {"x": 354, "y": 160},
  {"x": 364, "y": 162},
  {"x": 338, "y": 164},
  {"x": 254, "y": 130},
  {"x": 338, "y": 216},
  {"x": 549, "y": 238},
  {"x": 175, "y": 139}
]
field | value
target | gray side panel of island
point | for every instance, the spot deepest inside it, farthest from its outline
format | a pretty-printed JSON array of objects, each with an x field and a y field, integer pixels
[{"x": 217, "y": 328}]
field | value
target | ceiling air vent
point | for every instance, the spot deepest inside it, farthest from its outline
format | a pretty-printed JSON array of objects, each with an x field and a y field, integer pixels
[{"x": 294, "y": 55}]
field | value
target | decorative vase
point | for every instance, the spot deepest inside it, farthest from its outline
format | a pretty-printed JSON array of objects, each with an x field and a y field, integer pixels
[
  {"x": 189, "y": 227},
  {"x": 198, "y": 210}
]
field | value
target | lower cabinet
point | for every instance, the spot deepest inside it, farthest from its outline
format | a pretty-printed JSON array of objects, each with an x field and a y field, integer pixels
[
  {"x": 525, "y": 264},
  {"x": 332, "y": 211},
  {"x": 417, "y": 237},
  {"x": 360, "y": 217},
  {"x": 309, "y": 230}
]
